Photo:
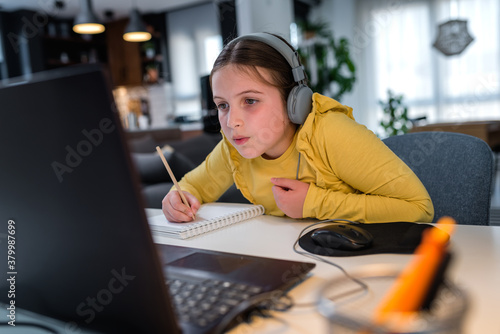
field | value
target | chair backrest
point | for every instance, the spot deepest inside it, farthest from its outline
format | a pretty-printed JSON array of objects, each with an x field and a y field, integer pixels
[{"x": 456, "y": 169}]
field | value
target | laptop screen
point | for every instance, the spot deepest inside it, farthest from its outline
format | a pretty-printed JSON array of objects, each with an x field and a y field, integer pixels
[{"x": 83, "y": 251}]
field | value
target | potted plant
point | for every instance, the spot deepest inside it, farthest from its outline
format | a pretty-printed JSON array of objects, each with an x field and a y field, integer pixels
[
  {"x": 149, "y": 49},
  {"x": 152, "y": 74},
  {"x": 395, "y": 120},
  {"x": 327, "y": 60}
]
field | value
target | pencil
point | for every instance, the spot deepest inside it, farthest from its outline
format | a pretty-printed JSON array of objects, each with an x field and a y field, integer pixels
[{"x": 177, "y": 186}]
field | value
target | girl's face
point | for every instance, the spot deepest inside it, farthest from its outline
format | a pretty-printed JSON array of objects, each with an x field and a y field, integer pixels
[{"x": 252, "y": 113}]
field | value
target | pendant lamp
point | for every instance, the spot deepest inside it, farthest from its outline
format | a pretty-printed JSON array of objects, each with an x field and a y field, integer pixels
[
  {"x": 453, "y": 37},
  {"x": 86, "y": 22},
  {"x": 136, "y": 29}
]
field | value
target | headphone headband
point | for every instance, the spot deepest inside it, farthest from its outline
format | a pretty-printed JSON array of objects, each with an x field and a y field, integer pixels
[{"x": 290, "y": 55}]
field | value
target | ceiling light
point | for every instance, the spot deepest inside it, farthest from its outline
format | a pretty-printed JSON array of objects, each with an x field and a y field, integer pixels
[
  {"x": 136, "y": 30},
  {"x": 86, "y": 22}
]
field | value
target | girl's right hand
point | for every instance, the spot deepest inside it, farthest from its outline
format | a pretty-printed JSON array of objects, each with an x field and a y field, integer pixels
[{"x": 176, "y": 211}]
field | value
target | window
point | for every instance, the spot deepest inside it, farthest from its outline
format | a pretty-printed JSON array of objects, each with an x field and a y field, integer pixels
[
  {"x": 400, "y": 57},
  {"x": 194, "y": 43}
]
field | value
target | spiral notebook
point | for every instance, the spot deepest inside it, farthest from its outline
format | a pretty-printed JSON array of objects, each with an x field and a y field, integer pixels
[{"x": 210, "y": 217}]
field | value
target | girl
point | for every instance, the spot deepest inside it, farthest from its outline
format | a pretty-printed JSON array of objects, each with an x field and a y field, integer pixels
[{"x": 328, "y": 167}]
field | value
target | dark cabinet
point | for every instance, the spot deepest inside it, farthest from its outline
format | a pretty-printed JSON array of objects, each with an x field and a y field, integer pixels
[
  {"x": 62, "y": 51},
  {"x": 21, "y": 44},
  {"x": 62, "y": 47},
  {"x": 154, "y": 52},
  {"x": 34, "y": 42}
]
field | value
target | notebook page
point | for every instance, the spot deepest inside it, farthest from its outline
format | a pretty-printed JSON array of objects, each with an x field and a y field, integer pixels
[{"x": 208, "y": 213}]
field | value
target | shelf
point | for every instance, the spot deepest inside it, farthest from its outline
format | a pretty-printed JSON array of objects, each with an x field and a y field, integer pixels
[
  {"x": 73, "y": 40},
  {"x": 64, "y": 51},
  {"x": 61, "y": 46},
  {"x": 158, "y": 58},
  {"x": 59, "y": 63}
]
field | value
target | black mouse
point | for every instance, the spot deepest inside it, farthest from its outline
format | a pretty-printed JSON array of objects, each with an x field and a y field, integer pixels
[{"x": 342, "y": 236}]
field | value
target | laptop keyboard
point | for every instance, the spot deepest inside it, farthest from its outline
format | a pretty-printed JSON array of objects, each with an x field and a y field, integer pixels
[{"x": 205, "y": 302}]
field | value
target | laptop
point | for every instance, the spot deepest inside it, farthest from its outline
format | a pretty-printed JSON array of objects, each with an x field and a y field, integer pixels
[{"x": 74, "y": 224}]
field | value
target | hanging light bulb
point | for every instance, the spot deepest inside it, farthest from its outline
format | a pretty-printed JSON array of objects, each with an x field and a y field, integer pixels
[
  {"x": 136, "y": 30},
  {"x": 86, "y": 22}
]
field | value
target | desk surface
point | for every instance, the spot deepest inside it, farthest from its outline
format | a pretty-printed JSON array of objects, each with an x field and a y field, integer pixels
[{"x": 475, "y": 268}]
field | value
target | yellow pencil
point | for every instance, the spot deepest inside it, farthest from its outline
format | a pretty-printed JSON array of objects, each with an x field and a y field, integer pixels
[{"x": 184, "y": 199}]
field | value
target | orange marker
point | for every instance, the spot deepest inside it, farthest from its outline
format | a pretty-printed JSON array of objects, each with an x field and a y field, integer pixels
[{"x": 410, "y": 289}]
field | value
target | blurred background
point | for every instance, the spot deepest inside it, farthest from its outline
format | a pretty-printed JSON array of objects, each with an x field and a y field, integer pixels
[{"x": 381, "y": 50}]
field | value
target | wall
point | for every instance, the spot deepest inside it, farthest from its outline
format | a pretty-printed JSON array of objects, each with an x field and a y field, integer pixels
[
  {"x": 264, "y": 16},
  {"x": 341, "y": 17}
]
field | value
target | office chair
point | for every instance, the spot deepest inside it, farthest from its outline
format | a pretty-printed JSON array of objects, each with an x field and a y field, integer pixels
[{"x": 456, "y": 169}]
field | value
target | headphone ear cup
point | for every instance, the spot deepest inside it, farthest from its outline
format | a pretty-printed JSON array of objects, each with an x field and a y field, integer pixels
[{"x": 299, "y": 103}]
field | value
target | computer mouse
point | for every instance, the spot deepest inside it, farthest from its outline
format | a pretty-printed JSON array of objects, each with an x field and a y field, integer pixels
[{"x": 342, "y": 236}]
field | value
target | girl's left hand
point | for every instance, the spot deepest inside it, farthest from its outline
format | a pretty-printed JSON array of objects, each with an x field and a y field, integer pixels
[{"x": 290, "y": 195}]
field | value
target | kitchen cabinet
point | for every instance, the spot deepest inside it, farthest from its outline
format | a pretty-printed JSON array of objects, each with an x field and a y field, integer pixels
[{"x": 124, "y": 57}]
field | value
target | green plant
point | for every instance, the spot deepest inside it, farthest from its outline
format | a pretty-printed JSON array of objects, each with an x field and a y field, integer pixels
[
  {"x": 148, "y": 45},
  {"x": 395, "y": 120},
  {"x": 327, "y": 61}
]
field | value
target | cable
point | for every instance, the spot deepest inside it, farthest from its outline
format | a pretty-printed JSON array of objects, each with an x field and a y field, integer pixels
[
  {"x": 258, "y": 305},
  {"x": 363, "y": 287},
  {"x": 279, "y": 301}
]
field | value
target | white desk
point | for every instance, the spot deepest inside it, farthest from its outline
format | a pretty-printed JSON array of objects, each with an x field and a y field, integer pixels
[{"x": 475, "y": 268}]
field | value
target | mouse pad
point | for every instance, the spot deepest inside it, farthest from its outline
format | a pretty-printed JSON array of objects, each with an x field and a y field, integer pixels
[{"x": 398, "y": 238}]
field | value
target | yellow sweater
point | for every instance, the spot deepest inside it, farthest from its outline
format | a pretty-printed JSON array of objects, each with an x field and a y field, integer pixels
[{"x": 352, "y": 174}]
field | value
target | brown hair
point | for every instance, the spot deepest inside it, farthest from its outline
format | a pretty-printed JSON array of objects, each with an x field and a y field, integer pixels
[{"x": 249, "y": 54}]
